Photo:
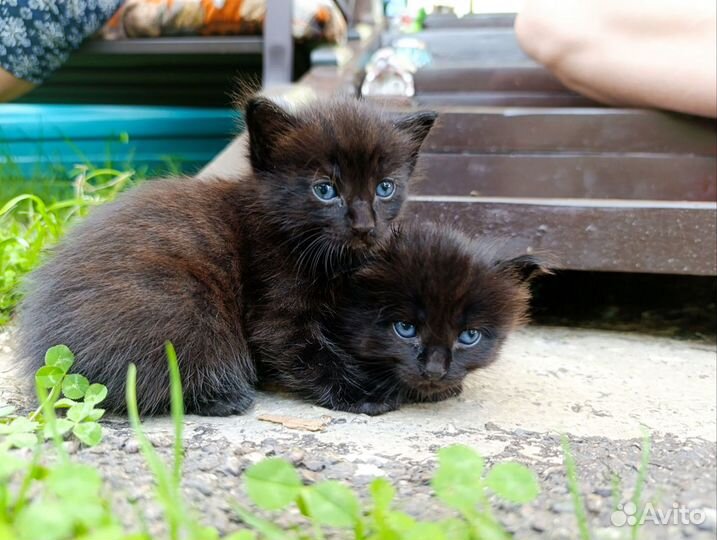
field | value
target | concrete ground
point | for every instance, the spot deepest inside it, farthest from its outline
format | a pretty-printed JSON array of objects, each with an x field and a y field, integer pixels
[{"x": 598, "y": 387}]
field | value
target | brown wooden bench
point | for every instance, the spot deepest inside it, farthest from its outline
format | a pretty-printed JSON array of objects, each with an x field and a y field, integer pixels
[{"x": 517, "y": 155}]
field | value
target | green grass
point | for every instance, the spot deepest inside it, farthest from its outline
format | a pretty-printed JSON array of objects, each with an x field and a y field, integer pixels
[
  {"x": 47, "y": 189},
  {"x": 66, "y": 501},
  {"x": 579, "y": 508},
  {"x": 32, "y": 222}
]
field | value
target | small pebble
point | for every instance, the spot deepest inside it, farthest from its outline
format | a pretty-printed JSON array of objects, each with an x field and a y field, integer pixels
[
  {"x": 245, "y": 449},
  {"x": 594, "y": 503},
  {"x": 200, "y": 485},
  {"x": 160, "y": 440},
  {"x": 131, "y": 446},
  {"x": 309, "y": 476},
  {"x": 552, "y": 470},
  {"x": 611, "y": 533},
  {"x": 561, "y": 533},
  {"x": 368, "y": 469},
  {"x": 314, "y": 465},
  {"x": 541, "y": 523},
  {"x": 254, "y": 457},
  {"x": 232, "y": 466},
  {"x": 341, "y": 471},
  {"x": 209, "y": 463},
  {"x": 562, "y": 507},
  {"x": 71, "y": 446},
  {"x": 296, "y": 456}
]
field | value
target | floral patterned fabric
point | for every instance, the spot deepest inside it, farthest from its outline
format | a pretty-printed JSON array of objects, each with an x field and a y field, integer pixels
[
  {"x": 313, "y": 20},
  {"x": 37, "y": 36}
]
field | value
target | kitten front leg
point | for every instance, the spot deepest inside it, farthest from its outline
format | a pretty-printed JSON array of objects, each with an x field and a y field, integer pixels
[
  {"x": 371, "y": 408},
  {"x": 334, "y": 381},
  {"x": 221, "y": 401},
  {"x": 227, "y": 406},
  {"x": 434, "y": 397}
]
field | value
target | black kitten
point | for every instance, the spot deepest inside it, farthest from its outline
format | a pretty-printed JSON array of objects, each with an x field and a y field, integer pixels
[
  {"x": 232, "y": 272},
  {"x": 430, "y": 307}
]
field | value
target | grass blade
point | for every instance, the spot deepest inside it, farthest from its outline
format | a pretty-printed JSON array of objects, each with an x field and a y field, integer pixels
[
  {"x": 640, "y": 484},
  {"x": 177, "y": 408},
  {"x": 166, "y": 487},
  {"x": 574, "y": 488}
]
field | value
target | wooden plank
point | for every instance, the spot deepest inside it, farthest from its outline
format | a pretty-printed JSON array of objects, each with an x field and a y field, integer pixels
[
  {"x": 590, "y": 130},
  {"x": 487, "y": 79},
  {"x": 655, "y": 177},
  {"x": 481, "y": 47},
  {"x": 147, "y": 75},
  {"x": 478, "y": 20},
  {"x": 215, "y": 95},
  {"x": 611, "y": 235},
  {"x": 503, "y": 98},
  {"x": 174, "y": 45}
]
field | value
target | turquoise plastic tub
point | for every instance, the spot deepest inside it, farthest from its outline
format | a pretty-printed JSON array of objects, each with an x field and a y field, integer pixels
[{"x": 42, "y": 139}]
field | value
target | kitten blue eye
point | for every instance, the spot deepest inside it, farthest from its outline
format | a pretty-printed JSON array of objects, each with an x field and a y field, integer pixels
[
  {"x": 404, "y": 330},
  {"x": 385, "y": 188},
  {"x": 325, "y": 191},
  {"x": 469, "y": 337}
]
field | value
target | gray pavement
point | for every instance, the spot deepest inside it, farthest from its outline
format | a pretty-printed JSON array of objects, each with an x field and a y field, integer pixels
[{"x": 598, "y": 387}]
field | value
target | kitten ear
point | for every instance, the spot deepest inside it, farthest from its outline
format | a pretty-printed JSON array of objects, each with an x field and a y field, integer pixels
[
  {"x": 416, "y": 126},
  {"x": 525, "y": 267},
  {"x": 266, "y": 123}
]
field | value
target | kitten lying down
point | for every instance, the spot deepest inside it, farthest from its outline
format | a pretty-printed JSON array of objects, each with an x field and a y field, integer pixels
[
  {"x": 234, "y": 273},
  {"x": 430, "y": 307},
  {"x": 294, "y": 275}
]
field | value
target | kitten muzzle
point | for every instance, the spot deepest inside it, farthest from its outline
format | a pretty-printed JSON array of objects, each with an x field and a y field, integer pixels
[{"x": 436, "y": 364}]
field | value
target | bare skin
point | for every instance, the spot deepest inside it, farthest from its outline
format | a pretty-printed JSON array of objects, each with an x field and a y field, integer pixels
[
  {"x": 11, "y": 87},
  {"x": 657, "y": 54}
]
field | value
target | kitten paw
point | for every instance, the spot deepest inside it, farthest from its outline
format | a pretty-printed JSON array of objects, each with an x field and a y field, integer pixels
[
  {"x": 222, "y": 407},
  {"x": 371, "y": 408},
  {"x": 438, "y": 396}
]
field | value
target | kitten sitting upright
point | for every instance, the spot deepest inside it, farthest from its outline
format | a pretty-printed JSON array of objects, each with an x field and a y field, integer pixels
[
  {"x": 232, "y": 272},
  {"x": 430, "y": 307}
]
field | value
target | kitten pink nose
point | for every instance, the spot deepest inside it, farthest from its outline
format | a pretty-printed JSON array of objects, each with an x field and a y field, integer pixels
[{"x": 436, "y": 364}]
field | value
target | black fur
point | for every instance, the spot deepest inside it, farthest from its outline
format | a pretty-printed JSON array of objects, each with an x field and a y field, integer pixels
[
  {"x": 440, "y": 281},
  {"x": 233, "y": 273}
]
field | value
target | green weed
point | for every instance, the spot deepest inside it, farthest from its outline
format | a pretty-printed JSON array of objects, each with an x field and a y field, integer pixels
[
  {"x": 30, "y": 224},
  {"x": 636, "y": 499},
  {"x": 575, "y": 492},
  {"x": 67, "y": 498},
  {"x": 59, "y": 391}
]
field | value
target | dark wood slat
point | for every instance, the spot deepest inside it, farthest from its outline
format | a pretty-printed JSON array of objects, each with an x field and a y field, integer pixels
[
  {"x": 216, "y": 95},
  {"x": 474, "y": 79},
  {"x": 487, "y": 20},
  {"x": 657, "y": 177},
  {"x": 503, "y": 98},
  {"x": 617, "y": 236},
  {"x": 531, "y": 130},
  {"x": 160, "y": 62},
  {"x": 176, "y": 76},
  {"x": 481, "y": 47},
  {"x": 175, "y": 45}
]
